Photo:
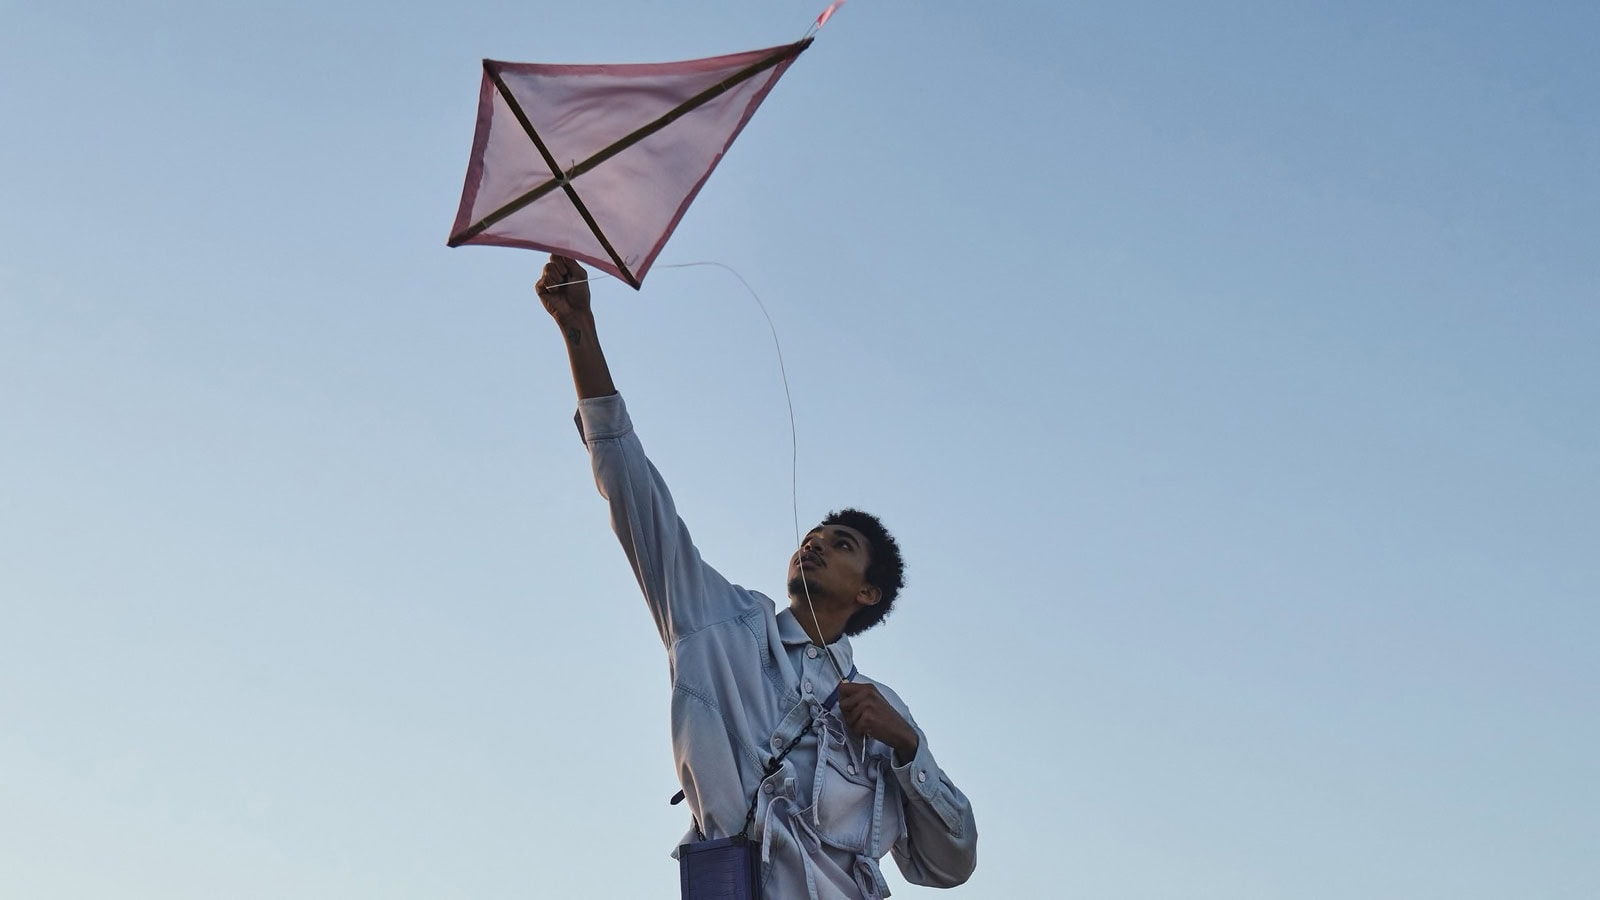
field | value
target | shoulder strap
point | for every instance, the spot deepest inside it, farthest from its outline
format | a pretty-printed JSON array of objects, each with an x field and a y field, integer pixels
[{"x": 772, "y": 764}]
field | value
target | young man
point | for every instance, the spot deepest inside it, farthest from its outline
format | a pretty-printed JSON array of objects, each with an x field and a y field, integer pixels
[{"x": 825, "y": 775}]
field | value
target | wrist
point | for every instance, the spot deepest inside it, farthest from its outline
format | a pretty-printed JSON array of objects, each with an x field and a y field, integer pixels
[
  {"x": 905, "y": 749},
  {"x": 580, "y": 319}
]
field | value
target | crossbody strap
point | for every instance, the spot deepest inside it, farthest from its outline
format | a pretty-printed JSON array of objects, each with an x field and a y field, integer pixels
[
  {"x": 776, "y": 761},
  {"x": 773, "y": 764}
]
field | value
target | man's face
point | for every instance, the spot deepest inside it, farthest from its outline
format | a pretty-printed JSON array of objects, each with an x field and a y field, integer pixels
[{"x": 833, "y": 560}]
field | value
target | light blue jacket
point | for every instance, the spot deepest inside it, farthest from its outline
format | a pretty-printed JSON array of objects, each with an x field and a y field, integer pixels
[{"x": 745, "y": 681}]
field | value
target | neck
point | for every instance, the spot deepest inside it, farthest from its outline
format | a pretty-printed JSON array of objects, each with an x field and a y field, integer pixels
[{"x": 826, "y": 626}]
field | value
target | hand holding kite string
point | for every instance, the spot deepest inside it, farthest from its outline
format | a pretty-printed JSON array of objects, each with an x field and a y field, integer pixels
[
  {"x": 869, "y": 715},
  {"x": 564, "y": 290}
]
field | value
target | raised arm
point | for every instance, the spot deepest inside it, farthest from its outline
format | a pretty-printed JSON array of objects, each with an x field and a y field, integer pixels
[
  {"x": 683, "y": 593},
  {"x": 564, "y": 289}
]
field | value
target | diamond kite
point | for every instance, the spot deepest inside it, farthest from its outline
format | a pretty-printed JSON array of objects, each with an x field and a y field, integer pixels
[{"x": 599, "y": 162}]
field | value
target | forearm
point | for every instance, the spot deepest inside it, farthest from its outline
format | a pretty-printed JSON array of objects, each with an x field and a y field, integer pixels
[
  {"x": 590, "y": 374},
  {"x": 940, "y": 847}
]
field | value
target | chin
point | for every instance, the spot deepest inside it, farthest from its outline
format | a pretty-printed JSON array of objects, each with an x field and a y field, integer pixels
[{"x": 797, "y": 586}]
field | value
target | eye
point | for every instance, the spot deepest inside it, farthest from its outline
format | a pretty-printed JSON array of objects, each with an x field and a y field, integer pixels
[{"x": 842, "y": 545}]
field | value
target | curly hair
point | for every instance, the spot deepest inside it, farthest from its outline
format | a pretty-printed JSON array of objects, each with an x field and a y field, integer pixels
[{"x": 886, "y": 570}]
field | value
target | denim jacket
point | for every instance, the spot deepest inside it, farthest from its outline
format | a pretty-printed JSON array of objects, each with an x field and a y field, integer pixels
[{"x": 738, "y": 697}]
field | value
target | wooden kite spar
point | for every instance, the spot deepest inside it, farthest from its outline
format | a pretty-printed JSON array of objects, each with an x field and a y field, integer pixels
[{"x": 599, "y": 162}]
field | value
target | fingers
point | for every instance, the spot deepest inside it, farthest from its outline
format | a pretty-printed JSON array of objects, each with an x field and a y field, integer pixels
[
  {"x": 561, "y": 271},
  {"x": 558, "y": 272},
  {"x": 573, "y": 270},
  {"x": 555, "y": 272},
  {"x": 861, "y": 696},
  {"x": 548, "y": 278},
  {"x": 859, "y": 704},
  {"x": 553, "y": 276},
  {"x": 868, "y": 713}
]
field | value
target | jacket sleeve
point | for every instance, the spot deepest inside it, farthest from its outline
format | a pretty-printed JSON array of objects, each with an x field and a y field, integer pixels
[
  {"x": 683, "y": 593},
  {"x": 940, "y": 844}
]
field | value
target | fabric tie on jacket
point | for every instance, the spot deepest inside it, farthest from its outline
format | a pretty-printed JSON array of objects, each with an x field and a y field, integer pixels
[
  {"x": 869, "y": 878},
  {"x": 784, "y": 826}
]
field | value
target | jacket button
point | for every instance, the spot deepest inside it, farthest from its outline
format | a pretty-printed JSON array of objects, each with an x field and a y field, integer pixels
[
  {"x": 922, "y": 777},
  {"x": 811, "y": 653},
  {"x": 768, "y": 787},
  {"x": 806, "y": 687},
  {"x": 851, "y": 768},
  {"x": 777, "y": 742}
]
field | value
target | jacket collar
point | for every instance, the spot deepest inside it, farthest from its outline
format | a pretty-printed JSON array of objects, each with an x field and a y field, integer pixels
[{"x": 790, "y": 632}]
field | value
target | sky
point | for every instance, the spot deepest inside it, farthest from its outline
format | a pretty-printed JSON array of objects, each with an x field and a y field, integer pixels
[{"x": 1227, "y": 371}]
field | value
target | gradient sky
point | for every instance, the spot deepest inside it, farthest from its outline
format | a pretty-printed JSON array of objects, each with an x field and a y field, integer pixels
[{"x": 1228, "y": 372}]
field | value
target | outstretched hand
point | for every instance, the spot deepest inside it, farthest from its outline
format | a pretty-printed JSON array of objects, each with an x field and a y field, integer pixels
[
  {"x": 868, "y": 714},
  {"x": 564, "y": 289}
]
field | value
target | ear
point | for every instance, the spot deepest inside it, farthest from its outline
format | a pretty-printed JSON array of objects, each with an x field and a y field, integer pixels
[{"x": 869, "y": 595}]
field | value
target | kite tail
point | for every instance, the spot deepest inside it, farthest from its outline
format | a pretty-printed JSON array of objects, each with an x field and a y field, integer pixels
[{"x": 826, "y": 15}]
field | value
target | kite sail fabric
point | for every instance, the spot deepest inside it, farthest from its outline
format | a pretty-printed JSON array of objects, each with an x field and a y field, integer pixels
[{"x": 599, "y": 162}]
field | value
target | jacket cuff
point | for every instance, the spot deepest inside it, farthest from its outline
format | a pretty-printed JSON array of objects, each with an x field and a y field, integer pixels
[
  {"x": 602, "y": 418},
  {"x": 920, "y": 775}
]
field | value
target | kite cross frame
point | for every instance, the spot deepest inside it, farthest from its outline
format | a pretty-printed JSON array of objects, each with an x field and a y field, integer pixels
[{"x": 564, "y": 179}]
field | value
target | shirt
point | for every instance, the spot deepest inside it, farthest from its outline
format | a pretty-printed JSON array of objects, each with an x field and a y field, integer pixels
[{"x": 746, "y": 680}]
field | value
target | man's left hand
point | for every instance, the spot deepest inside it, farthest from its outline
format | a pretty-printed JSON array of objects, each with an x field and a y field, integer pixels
[{"x": 866, "y": 713}]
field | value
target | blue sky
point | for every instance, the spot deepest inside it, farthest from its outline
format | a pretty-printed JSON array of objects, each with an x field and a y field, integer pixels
[{"x": 1227, "y": 371}]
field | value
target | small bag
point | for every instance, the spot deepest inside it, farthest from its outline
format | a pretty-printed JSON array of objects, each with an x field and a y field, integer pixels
[{"x": 720, "y": 869}]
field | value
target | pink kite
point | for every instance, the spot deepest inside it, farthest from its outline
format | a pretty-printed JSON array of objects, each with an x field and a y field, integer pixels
[{"x": 599, "y": 162}]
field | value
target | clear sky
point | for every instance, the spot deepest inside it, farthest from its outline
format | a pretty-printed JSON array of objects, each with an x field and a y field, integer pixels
[{"x": 1228, "y": 371}]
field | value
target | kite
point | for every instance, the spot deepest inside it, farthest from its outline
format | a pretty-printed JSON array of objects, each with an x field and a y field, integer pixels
[{"x": 599, "y": 162}]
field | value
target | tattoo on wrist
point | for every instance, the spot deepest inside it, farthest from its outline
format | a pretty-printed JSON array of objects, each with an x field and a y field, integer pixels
[{"x": 574, "y": 335}]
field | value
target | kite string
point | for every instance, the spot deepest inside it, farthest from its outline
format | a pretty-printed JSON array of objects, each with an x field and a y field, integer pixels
[
  {"x": 794, "y": 442},
  {"x": 783, "y": 372}
]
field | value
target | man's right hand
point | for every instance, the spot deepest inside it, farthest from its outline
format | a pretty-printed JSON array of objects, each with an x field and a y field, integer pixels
[
  {"x": 564, "y": 290},
  {"x": 566, "y": 298}
]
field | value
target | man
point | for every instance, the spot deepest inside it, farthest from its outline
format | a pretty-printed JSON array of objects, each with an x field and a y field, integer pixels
[{"x": 824, "y": 774}]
